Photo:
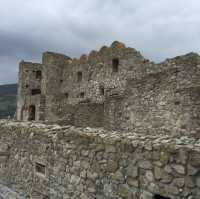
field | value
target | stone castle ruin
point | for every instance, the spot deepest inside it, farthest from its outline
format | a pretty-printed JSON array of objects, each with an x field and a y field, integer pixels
[
  {"x": 110, "y": 125},
  {"x": 115, "y": 88}
]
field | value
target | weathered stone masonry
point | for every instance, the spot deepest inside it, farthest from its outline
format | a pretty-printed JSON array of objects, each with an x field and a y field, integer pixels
[
  {"x": 50, "y": 161},
  {"x": 115, "y": 85},
  {"x": 129, "y": 127}
]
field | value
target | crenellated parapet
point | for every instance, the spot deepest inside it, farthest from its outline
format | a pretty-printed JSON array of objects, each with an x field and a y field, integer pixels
[{"x": 117, "y": 49}]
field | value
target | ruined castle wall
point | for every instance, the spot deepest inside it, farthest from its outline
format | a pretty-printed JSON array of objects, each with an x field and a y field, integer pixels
[
  {"x": 88, "y": 114},
  {"x": 99, "y": 82},
  {"x": 38, "y": 85},
  {"x": 115, "y": 87},
  {"x": 68, "y": 162},
  {"x": 30, "y": 80},
  {"x": 56, "y": 59},
  {"x": 98, "y": 73},
  {"x": 167, "y": 100},
  {"x": 52, "y": 92}
]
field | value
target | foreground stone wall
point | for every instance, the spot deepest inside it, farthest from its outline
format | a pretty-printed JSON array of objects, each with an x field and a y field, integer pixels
[{"x": 67, "y": 162}]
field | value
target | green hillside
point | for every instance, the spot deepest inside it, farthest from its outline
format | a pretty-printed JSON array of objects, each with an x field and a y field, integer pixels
[{"x": 8, "y": 95}]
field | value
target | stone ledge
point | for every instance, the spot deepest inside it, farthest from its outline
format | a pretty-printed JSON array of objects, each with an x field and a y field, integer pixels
[{"x": 106, "y": 135}]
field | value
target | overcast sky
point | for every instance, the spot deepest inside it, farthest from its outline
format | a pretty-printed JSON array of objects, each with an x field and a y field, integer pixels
[{"x": 157, "y": 28}]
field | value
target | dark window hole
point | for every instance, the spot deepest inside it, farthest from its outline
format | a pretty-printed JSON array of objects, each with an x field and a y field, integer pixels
[
  {"x": 102, "y": 90},
  {"x": 177, "y": 102},
  {"x": 79, "y": 76},
  {"x": 82, "y": 94},
  {"x": 38, "y": 74},
  {"x": 160, "y": 197},
  {"x": 67, "y": 95},
  {"x": 40, "y": 168},
  {"x": 35, "y": 91},
  {"x": 115, "y": 65},
  {"x": 31, "y": 113},
  {"x": 46, "y": 197}
]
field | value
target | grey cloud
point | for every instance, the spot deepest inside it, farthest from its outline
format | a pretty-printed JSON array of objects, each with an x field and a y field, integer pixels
[{"x": 159, "y": 28}]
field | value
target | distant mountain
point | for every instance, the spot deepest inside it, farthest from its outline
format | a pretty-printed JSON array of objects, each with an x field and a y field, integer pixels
[{"x": 8, "y": 96}]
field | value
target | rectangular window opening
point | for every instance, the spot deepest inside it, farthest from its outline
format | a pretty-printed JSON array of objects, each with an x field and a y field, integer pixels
[
  {"x": 115, "y": 65},
  {"x": 79, "y": 76},
  {"x": 40, "y": 168},
  {"x": 31, "y": 115},
  {"x": 157, "y": 196},
  {"x": 82, "y": 94},
  {"x": 101, "y": 90},
  {"x": 67, "y": 95},
  {"x": 35, "y": 91},
  {"x": 38, "y": 74}
]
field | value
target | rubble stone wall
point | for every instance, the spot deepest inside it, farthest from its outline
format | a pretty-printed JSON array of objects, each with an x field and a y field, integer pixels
[
  {"x": 168, "y": 100},
  {"x": 114, "y": 87},
  {"x": 50, "y": 161}
]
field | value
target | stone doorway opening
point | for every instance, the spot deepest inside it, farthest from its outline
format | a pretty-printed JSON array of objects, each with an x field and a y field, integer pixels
[
  {"x": 157, "y": 196},
  {"x": 31, "y": 113}
]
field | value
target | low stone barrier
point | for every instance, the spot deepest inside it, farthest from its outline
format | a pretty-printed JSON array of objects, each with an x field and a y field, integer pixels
[{"x": 50, "y": 161}]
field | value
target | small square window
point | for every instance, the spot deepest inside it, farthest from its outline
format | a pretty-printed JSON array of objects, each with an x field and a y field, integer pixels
[
  {"x": 40, "y": 168},
  {"x": 115, "y": 65}
]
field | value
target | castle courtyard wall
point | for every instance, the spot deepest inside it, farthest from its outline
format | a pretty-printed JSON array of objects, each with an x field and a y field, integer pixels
[
  {"x": 66, "y": 162},
  {"x": 168, "y": 100}
]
